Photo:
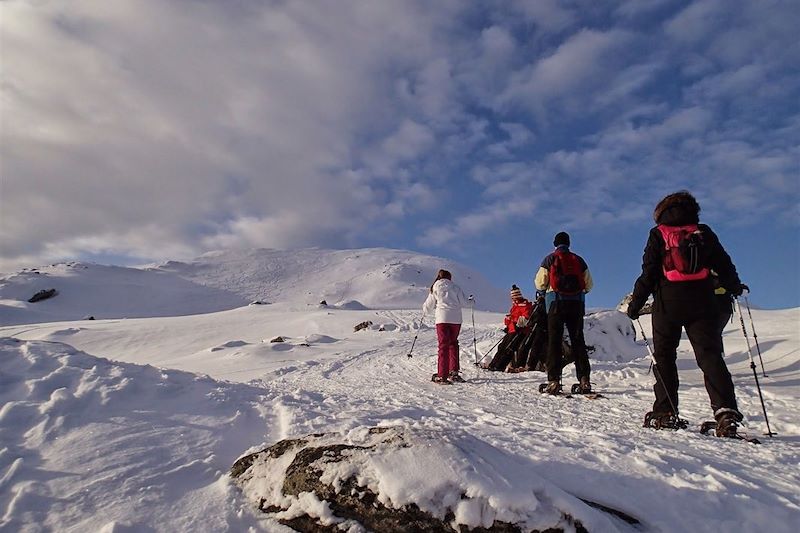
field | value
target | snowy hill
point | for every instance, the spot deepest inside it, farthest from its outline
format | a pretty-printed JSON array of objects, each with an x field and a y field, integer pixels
[
  {"x": 378, "y": 278},
  {"x": 86, "y": 289},
  {"x": 346, "y": 279}
]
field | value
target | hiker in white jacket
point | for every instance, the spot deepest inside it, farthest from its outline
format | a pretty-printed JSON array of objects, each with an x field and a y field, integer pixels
[{"x": 445, "y": 300}]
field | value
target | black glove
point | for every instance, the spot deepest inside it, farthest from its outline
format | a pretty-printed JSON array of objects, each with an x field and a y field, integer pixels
[
  {"x": 505, "y": 330},
  {"x": 739, "y": 289},
  {"x": 633, "y": 312}
]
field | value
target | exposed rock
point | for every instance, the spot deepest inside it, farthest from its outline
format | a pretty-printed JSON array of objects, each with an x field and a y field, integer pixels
[
  {"x": 43, "y": 294},
  {"x": 332, "y": 482},
  {"x": 88, "y": 317},
  {"x": 362, "y": 325},
  {"x": 323, "y": 302},
  {"x": 278, "y": 339}
]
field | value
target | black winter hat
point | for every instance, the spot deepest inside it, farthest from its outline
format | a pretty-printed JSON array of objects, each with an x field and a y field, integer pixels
[{"x": 561, "y": 237}]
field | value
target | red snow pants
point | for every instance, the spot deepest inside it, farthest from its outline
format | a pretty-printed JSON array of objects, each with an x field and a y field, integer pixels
[{"x": 448, "y": 348}]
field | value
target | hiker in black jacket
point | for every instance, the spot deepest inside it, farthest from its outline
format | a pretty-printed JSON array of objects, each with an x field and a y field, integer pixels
[
  {"x": 684, "y": 298},
  {"x": 565, "y": 278}
]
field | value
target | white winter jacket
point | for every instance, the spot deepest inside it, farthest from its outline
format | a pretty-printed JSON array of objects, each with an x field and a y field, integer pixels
[{"x": 447, "y": 299}]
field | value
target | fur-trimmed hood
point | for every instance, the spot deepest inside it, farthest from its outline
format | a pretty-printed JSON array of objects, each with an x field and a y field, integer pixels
[{"x": 677, "y": 209}]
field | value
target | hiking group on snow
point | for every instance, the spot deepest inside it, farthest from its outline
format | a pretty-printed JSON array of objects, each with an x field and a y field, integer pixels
[{"x": 685, "y": 268}]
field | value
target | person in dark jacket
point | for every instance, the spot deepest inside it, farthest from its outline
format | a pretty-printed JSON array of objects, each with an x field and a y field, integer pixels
[
  {"x": 516, "y": 326},
  {"x": 684, "y": 298},
  {"x": 532, "y": 354},
  {"x": 565, "y": 278}
]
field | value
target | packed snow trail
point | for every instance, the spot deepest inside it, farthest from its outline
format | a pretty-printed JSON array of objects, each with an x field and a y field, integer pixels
[{"x": 596, "y": 450}]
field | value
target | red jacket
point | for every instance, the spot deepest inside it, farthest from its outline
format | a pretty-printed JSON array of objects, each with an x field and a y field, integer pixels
[{"x": 523, "y": 308}]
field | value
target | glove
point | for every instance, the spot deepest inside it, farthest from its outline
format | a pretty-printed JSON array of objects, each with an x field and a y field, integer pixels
[
  {"x": 632, "y": 312},
  {"x": 522, "y": 322},
  {"x": 505, "y": 330},
  {"x": 737, "y": 291}
]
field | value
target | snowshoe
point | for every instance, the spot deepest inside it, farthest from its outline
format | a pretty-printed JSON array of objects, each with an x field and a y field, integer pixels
[
  {"x": 436, "y": 378},
  {"x": 657, "y": 420},
  {"x": 455, "y": 377},
  {"x": 708, "y": 426},
  {"x": 581, "y": 388},
  {"x": 552, "y": 387}
]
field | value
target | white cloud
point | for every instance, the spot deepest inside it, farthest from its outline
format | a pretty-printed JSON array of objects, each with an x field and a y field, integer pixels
[
  {"x": 577, "y": 68},
  {"x": 490, "y": 217},
  {"x": 150, "y": 112},
  {"x": 142, "y": 127}
]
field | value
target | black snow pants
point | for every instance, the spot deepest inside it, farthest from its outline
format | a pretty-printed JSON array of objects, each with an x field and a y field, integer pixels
[
  {"x": 702, "y": 325},
  {"x": 725, "y": 307},
  {"x": 567, "y": 313},
  {"x": 506, "y": 350}
]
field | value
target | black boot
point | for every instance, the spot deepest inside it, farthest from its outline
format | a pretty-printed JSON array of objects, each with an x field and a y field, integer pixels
[
  {"x": 727, "y": 422},
  {"x": 552, "y": 387},
  {"x": 657, "y": 420},
  {"x": 455, "y": 377}
]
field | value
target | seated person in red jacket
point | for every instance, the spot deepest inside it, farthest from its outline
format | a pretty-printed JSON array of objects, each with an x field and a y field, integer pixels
[{"x": 516, "y": 327}]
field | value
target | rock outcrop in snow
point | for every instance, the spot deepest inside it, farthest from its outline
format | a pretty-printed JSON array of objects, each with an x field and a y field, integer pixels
[{"x": 403, "y": 479}]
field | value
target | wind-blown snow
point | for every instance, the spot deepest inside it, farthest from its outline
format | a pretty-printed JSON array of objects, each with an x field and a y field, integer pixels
[{"x": 91, "y": 437}]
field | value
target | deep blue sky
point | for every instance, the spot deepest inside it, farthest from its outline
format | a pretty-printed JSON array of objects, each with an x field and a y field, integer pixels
[{"x": 466, "y": 130}]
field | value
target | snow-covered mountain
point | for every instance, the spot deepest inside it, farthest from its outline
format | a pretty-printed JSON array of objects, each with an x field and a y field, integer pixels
[
  {"x": 378, "y": 278},
  {"x": 349, "y": 279}
]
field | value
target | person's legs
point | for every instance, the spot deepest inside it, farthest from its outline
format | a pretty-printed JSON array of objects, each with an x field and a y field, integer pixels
[
  {"x": 574, "y": 322},
  {"x": 704, "y": 335},
  {"x": 538, "y": 352},
  {"x": 521, "y": 354},
  {"x": 443, "y": 336},
  {"x": 501, "y": 356},
  {"x": 555, "y": 331},
  {"x": 666, "y": 336},
  {"x": 453, "y": 358},
  {"x": 722, "y": 321}
]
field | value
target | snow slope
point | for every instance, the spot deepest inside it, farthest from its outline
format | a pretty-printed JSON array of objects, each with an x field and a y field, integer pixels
[
  {"x": 86, "y": 289},
  {"x": 378, "y": 278},
  {"x": 92, "y": 440},
  {"x": 347, "y": 279}
]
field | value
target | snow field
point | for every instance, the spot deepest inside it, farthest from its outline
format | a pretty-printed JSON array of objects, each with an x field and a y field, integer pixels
[{"x": 131, "y": 437}]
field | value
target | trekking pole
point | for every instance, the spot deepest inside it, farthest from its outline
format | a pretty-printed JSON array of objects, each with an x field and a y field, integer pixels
[
  {"x": 656, "y": 372},
  {"x": 755, "y": 336},
  {"x": 488, "y": 352},
  {"x": 415, "y": 338},
  {"x": 474, "y": 340},
  {"x": 753, "y": 367}
]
